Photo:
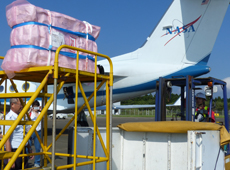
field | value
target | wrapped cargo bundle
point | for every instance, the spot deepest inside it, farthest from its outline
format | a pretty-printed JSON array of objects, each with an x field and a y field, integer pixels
[{"x": 37, "y": 33}]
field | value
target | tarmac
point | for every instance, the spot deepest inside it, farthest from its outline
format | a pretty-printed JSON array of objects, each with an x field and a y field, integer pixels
[{"x": 62, "y": 142}]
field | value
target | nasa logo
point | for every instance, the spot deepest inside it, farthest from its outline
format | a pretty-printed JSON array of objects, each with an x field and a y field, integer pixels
[
  {"x": 184, "y": 29},
  {"x": 177, "y": 30}
]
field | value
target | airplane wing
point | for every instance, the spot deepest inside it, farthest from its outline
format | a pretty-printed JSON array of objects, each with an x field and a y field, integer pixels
[
  {"x": 118, "y": 77},
  {"x": 177, "y": 103},
  {"x": 115, "y": 76},
  {"x": 125, "y": 107}
]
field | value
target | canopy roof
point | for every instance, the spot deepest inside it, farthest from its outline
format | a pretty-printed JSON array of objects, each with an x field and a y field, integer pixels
[{"x": 176, "y": 127}]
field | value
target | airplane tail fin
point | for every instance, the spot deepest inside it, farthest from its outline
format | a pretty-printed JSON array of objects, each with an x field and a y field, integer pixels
[
  {"x": 177, "y": 102},
  {"x": 186, "y": 33}
]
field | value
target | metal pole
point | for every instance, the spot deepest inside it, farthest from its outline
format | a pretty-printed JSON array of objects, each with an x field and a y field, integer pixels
[
  {"x": 54, "y": 123},
  {"x": 108, "y": 114},
  {"x": 162, "y": 102},
  {"x": 193, "y": 104},
  {"x": 44, "y": 129},
  {"x": 95, "y": 115},
  {"x": 182, "y": 102},
  {"x": 226, "y": 120},
  {"x": 210, "y": 109},
  {"x": 3, "y": 130},
  {"x": 188, "y": 98},
  {"x": 157, "y": 102},
  {"x": 110, "y": 127}
]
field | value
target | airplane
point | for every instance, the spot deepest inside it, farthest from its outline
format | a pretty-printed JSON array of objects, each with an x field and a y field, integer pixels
[
  {"x": 116, "y": 107},
  {"x": 23, "y": 86},
  {"x": 180, "y": 45}
]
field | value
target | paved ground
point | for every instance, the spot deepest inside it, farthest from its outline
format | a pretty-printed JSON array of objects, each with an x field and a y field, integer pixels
[{"x": 62, "y": 143}]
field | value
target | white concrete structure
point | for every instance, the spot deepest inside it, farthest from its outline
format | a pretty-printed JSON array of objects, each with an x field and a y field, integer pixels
[{"x": 194, "y": 150}]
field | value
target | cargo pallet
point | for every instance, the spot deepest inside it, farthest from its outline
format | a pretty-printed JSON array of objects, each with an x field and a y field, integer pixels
[{"x": 58, "y": 76}]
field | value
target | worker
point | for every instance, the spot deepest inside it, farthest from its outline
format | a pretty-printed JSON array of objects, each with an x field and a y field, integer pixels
[
  {"x": 34, "y": 113},
  {"x": 1, "y": 118},
  {"x": 202, "y": 111},
  {"x": 16, "y": 137}
]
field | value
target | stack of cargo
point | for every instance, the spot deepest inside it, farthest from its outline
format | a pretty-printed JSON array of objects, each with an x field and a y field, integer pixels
[{"x": 37, "y": 33}]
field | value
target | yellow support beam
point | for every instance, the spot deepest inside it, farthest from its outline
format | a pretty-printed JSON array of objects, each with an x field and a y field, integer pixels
[
  {"x": 3, "y": 130},
  {"x": 80, "y": 164},
  {"x": 78, "y": 156},
  {"x": 37, "y": 69},
  {"x": 6, "y": 154},
  {"x": 22, "y": 95},
  {"x": 11, "y": 122}
]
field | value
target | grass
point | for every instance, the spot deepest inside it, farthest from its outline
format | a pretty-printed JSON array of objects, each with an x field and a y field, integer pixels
[
  {"x": 130, "y": 116},
  {"x": 169, "y": 116}
]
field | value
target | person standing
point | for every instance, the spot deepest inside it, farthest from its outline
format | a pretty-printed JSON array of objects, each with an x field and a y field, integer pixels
[
  {"x": 34, "y": 113},
  {"x": 16, "y": 137}
]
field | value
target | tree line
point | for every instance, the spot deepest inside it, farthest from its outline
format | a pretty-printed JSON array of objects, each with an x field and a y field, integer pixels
[{"x": 151, "y": 99}]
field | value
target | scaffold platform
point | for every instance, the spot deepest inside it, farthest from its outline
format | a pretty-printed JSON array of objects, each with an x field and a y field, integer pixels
[{"x": 57, "y": 76}]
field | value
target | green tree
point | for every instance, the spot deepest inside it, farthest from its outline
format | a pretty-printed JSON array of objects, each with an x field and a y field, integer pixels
[{"x": 150, "y": 99}]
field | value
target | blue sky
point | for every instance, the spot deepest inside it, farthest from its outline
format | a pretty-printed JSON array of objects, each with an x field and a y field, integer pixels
[{"x": 125, "y": 25}]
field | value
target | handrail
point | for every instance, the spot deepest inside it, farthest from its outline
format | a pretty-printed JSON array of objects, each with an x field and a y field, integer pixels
[
  {"x": 108, "y": 92},
  {"x": 85, "y": 51}
]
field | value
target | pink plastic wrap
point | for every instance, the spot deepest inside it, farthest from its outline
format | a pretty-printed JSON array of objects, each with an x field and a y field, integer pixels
[
  {"x": 24, "y": 58},
  {"x": 39, "y": 36},
  {"x": 21, "y": 11},
  {"x": 16, "y": 59}
]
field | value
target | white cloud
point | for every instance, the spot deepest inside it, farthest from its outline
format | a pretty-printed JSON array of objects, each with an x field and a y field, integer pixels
[
  {"x": 220, "y": 91},
  {"x": 176, "y": 90},
  {"x": 227, "y": 80}
]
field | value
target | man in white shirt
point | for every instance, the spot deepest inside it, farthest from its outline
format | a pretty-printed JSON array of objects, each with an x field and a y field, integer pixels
[{"x": 17, "y": 136}]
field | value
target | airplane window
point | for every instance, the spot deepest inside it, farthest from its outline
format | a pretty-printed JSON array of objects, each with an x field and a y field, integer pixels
[
  {"x": 12, "y": 88},
  {"x": 1, "y": 89},
  {"x": 24, "y": 86}
]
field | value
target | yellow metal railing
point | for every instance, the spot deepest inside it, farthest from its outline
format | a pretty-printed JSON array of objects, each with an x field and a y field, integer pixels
[
  {"x": 93, "y": 117},
  {"x": 107, "y": 80}
]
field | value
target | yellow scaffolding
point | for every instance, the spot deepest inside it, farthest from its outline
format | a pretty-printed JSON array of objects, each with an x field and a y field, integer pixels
[{"x": 58, "y": 76}]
